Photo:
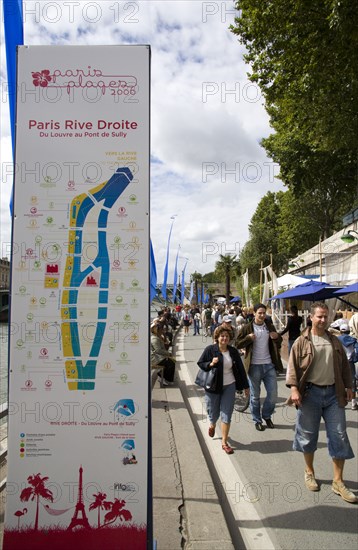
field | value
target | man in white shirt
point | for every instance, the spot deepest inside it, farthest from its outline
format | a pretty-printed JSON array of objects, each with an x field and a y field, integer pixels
[{"x": 262, "y": 359}]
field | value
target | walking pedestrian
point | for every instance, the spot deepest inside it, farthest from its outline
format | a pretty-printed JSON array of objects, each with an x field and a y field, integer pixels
[
  {"x": 350, "y": 346},
  {"x": 261, "y": 342},
  {"x": 321, "y": 385},
  {"x": 293, "y": 327},
  {"x": 186, "y": 318},
  {"x": 206, "y": 320},
  {"x": 196, "y": 320},
  {"x": 231, "y": 376}
]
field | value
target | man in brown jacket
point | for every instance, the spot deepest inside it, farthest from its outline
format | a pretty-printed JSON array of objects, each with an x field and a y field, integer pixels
[{"x": 320, "y": 379}]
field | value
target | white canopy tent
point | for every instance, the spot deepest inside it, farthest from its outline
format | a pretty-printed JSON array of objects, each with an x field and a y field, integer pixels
[{"x": 290, "y": 281}]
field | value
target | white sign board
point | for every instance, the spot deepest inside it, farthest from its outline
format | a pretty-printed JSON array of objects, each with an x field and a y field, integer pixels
[{"x": 78, "y": 402}]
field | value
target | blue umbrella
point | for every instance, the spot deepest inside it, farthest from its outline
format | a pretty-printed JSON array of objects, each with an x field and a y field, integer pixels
[
  {"x": 347, "y": 290},
  {"x": 235, "y": 299},
  {"x": 312, "y": 291}
]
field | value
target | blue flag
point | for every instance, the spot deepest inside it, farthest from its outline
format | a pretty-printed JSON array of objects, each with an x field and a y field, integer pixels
[
  {"x": 183, "y": 284},
  {"x": 153, "y": 274},
  {"x": 175, "y": 276},
  {"x": 14, "y": 36},
  {"x": 191, "y": 291}
]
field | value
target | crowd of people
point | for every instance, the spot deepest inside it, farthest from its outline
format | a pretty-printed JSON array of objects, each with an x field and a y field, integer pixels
[{"x": 244, "y": 353}]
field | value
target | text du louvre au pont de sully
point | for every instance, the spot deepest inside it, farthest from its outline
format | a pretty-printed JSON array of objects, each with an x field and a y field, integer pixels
[{"x": 82, "y": 128}]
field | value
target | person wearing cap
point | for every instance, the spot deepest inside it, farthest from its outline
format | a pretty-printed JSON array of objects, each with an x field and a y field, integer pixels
[
  {"x": 350, "y": 345},
  {"x": 320, "y": 379},
  {"x": 159, "y": 355},
  {"x": 335, "y": 325},
  {"x": 227, "y": 323}
]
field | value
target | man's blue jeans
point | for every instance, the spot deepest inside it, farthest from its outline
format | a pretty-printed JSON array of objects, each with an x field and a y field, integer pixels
[
  {"x": 317, "y": 403},
  {"x": 267, "y": 375}
]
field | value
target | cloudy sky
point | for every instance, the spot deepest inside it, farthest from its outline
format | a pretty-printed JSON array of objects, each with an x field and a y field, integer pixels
[{"x": 208, "y": 169}]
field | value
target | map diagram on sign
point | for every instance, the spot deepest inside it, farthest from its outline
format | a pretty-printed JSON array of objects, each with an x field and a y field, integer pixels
[{"x": 87, "y": 287}]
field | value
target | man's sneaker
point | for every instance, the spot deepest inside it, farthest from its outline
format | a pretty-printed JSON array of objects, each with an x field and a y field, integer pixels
[
  {"x": 163, "y": 381},
  {"x": 311, "y": 482},
  {"x": 354, "y": 405},
  {"x": 339, "y": 488}
]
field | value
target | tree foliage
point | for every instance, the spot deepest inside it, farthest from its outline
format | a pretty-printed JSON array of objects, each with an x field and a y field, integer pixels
[
  {"x": 303, "y": 55},
  {"x": 281, "y": 228},
  {"x": 227, "y": 267}
]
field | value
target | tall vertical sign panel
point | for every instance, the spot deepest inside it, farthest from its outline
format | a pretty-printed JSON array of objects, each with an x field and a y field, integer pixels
[{"x": 78, "y": 403}]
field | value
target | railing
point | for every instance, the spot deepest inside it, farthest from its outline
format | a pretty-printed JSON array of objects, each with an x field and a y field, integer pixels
[{"x": 279, "y": 318}]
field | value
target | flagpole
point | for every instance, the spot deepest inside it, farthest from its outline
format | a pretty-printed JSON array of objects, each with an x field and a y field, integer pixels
[
  {"x": 320, "y": 259},
  {"x": 183, "y": 282},
  {"x": 175, "y": 276},
  {"x": 165, "y": 277}
]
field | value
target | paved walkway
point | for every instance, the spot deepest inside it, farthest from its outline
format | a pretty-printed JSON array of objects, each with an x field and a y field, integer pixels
[
  {"x": 254, "y": 499},
  {"x": 259, "y": 488}
]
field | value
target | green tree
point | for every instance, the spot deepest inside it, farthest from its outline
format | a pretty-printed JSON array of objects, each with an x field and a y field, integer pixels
[
  {"x": 36, "y": 491},
  {"x": 281, "y": 227},
  {"x": 227, "y": 267},
  {"x": 303, "y": 54},
  {"x": 303, "y": 57},
  {"x": 325, "y": 182},
  {"x": 298, "y": 228},
  {"x": 209, "y": 277},
  {"x": 211, "y": 291},
  {"x": 263, "y": 230}
]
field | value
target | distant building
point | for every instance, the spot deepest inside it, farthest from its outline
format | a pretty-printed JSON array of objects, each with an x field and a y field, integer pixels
[{"x": 4, "y": 273}]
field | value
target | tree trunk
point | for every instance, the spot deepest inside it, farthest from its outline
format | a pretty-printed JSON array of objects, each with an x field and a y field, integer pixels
[
  {"x": 37, "y": 513},
  {"x": 227, "y": 285}
]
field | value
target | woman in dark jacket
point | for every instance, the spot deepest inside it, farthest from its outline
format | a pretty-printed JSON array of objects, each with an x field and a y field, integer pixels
[{"x": 231, "y": 376}]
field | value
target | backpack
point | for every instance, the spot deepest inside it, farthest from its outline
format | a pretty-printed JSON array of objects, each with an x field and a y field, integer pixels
[
  {"x": 208, "y": 314},
  {"x": 355, "y": 352}
]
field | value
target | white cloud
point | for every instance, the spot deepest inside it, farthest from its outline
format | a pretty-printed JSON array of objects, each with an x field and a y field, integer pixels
[{"x": 207, "y": 118}]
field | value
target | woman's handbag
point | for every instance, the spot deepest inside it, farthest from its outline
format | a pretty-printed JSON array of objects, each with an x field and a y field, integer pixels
[{"x": 207, "y": 379}]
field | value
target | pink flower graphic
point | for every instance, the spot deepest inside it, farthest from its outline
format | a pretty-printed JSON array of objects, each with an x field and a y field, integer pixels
[{"x": 42, "y": 78}]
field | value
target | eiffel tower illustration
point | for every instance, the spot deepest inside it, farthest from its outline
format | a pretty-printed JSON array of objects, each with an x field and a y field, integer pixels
[{"x": 79, "y": 517}]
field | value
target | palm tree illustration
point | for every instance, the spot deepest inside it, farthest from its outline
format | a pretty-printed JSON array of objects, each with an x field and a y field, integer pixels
[
  {"x": 100, "y": 503},
  {"x": 19, "y": 514},
  {"x": 36, "y": 491},
  {"x": 116, "y": 512}
]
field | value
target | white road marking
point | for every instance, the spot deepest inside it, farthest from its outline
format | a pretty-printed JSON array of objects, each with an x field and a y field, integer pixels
[{"x": 255, "y": 538}]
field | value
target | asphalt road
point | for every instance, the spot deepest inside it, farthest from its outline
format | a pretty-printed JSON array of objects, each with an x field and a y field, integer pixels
[{"x": 261, "y": 485}]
